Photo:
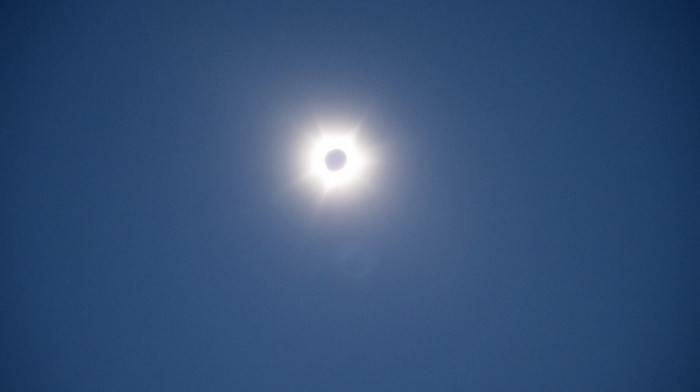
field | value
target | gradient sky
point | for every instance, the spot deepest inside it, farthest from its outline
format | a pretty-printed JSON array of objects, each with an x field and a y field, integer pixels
[{"x": 532, "y": 223}]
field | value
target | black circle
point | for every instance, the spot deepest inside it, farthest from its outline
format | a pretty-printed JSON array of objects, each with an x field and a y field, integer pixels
[{"x": 335, "y": 160}]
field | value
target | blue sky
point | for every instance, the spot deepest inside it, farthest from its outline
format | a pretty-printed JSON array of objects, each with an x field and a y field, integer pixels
[{"x": 531, "y": 222}]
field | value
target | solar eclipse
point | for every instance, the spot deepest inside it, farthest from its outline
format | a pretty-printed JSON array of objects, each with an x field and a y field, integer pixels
[{"x": 336, "y": 161}]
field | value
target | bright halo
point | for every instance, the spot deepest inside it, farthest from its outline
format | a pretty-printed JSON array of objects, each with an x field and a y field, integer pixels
[{"x": 336, "y": 160}]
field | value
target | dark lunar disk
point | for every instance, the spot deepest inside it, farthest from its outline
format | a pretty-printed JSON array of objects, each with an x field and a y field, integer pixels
[{"x": 335, "y": 160}]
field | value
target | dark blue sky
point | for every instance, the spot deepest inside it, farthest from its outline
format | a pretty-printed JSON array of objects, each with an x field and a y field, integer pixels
[{"x": 533, "y": 223}]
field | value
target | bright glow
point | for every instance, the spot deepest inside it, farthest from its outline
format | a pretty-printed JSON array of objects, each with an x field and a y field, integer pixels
[{"x": 350, "y": 173}]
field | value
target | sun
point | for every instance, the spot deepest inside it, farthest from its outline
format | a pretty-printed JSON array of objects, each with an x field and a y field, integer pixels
[{"x": 336, "y": 160}]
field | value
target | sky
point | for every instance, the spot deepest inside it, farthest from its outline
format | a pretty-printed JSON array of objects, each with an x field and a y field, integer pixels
[{"x": 530, "y": 220}]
